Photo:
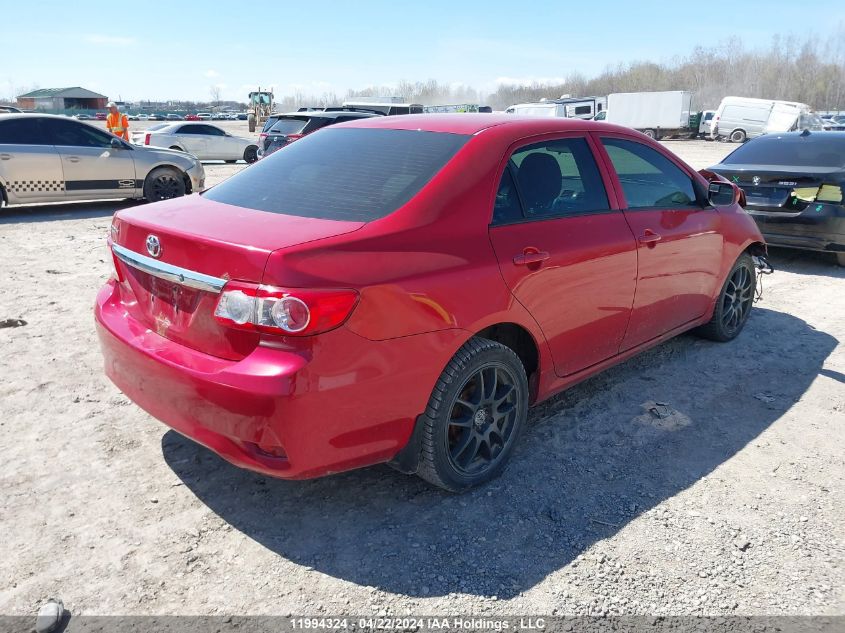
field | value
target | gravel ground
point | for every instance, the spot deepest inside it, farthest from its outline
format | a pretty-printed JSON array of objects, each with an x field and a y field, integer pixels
[{"x": 731, "y": 501}]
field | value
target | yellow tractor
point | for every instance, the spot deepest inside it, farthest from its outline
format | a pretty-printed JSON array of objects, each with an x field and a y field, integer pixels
[{"x": 260, "y": 107}]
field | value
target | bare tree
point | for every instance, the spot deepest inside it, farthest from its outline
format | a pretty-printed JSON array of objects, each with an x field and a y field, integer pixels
[{"x": 214, "y": 91}]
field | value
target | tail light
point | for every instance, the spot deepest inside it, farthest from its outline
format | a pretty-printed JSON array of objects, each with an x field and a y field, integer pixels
[
  {"x": 288, "y": 312},
  {"x": 290, "y": 138},
  {"x": 147, "y": 139}
]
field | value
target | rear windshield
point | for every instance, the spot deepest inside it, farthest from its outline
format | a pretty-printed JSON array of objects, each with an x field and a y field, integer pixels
[
  {"x": 159, "y": 126},
  {"x": 289, "y": 126},
  {"x": 342, "y": 174},
  {"x": 826, "y": 149}
]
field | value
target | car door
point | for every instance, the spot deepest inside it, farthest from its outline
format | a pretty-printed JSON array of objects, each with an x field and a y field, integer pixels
[
  {"x": 564, "y": 249},
  {"x": 95, "y": 164},
  {"x": 679, "y": 239},
  {"x": 220, "y": 145},
  {"x": 30, "y": 168},
  {"x": 193, "y": 140}
]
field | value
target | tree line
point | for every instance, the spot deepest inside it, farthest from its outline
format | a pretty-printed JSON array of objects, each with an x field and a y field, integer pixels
[{"x": 808, "y": 70}]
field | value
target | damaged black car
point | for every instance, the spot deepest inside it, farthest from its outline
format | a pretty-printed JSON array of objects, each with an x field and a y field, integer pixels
[{"x": 793, "y": 185}]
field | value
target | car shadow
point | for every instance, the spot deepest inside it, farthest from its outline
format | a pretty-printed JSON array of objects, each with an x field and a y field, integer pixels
[
  {"x": 591, "y": 460},
  {"x": 802, "y": 262},
  {"x": 57, "y": 211}
]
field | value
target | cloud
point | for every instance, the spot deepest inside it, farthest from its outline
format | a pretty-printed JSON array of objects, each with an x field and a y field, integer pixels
[
  {"x": 110, "y": 40},
  {"x": 211, "y": 74}
]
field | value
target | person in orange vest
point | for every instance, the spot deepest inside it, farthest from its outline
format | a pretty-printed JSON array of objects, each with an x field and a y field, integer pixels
[{"x": 117, "y": 122}]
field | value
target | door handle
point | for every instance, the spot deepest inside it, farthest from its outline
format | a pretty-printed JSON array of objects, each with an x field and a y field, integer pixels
[
  {"x": 530, "y": 256},
  {"x": 649, "y": 237},
  {"x": 73, "y": 159},
  {"x": 5, "y": 156}
]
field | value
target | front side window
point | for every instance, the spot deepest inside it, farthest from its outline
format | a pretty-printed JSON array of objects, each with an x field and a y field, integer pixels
[
  {"x": 349, "y": 174},
  {"x": 649, "y": 179},
  {"x": 68, "y": 133},
  {"x": 558, "y": 178}
]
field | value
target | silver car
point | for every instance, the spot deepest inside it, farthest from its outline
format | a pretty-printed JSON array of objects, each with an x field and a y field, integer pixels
[
  {"x": 46, "y": 158},
  {"x": 203, "y": 140}
]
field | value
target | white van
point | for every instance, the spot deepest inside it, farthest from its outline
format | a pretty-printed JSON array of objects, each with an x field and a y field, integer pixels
[{"x": 741, "y": 118}]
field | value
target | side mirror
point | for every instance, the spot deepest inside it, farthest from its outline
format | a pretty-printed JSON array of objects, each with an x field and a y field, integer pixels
[
  {"x": 721, "y": 194},
  {"x": 116, "y": 143}
]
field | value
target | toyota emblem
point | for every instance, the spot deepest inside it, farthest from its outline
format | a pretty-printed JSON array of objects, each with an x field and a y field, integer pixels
[
  {"x": 153, "y": 246},
  {"x": 756, "y": 180}
]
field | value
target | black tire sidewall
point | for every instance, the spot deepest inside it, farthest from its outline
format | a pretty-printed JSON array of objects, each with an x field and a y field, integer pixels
[
  {"x": 155, "y": 173},
  {"x": 725, "y": 334},
  {"x": 251, "y": 152},
  {"x": 491, "y": 355}
]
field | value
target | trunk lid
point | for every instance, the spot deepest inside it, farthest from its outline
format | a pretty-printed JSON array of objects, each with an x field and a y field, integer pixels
[
  {"x": 780, "y": 189},
  {"x": 211, "y": 238}
]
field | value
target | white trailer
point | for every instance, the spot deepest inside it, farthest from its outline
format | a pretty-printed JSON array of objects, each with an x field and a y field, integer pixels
[
  {"x": 655, "y": 114},
  {"x": 565, "y": 107}
]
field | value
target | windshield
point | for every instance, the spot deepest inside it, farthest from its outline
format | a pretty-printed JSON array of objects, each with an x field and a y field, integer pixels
[
  {"x": 342, "y": 174},
  {"x": 289, "y": 126},
  {"x": 826, "y": 149}
]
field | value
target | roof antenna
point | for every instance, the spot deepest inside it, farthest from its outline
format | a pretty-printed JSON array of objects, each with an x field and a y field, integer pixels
[{"x": 805, "y": 132}]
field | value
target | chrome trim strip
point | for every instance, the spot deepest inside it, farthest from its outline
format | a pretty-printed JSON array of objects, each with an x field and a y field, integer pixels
[{"x": 170, "y": 272}]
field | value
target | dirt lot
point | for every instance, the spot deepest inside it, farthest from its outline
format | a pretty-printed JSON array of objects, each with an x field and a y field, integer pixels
[{"x": 732, "y": 503}]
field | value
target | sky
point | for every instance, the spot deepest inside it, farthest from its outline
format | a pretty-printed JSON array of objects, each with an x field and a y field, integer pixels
[{"x": 180, "y": 49}]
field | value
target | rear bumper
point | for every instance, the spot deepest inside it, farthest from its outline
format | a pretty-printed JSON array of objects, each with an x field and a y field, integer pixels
[
  {"x": 820, "y": 227},
  {"x": 341, "y": 403}
]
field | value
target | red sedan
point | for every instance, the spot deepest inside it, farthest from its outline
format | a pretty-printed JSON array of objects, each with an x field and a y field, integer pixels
[
  {"x": 191, "y": 117},
  {"x": 402, "y": 289}
]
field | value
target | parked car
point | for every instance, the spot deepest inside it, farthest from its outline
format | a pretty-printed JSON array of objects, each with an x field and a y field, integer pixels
[
  {"x": 45, "y": 158},
  {"x": 83, "y": 117},
  {"x": 793, "y": 185},
  {"x": 100, "y": 116},
  {"x": 157, "y": 117},
  {"x": 360, "y": 297},
  {"x": 191, "y": 117},
  {"x": 5, "y": 109},
  {"x": 203, "y": 140},
  {"x": 290, "y": 127},
  {"x": 132, "y": 117},
  {"x": 143, "y": 117},
  {"x": 243, "y": 116},
  {"x": 740, "y": 118},
  {"x": 173, "y": 117},
  {"x": 204, "y": 116}
]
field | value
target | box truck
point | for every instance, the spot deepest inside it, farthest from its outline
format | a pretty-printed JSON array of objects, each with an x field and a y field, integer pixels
[{"x": 655, "y": 114}]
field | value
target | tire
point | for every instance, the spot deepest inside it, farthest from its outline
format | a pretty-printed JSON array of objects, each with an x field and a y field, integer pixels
[
  {"x": 738, "y": 136},
  {"x": 251, "y": 154},
  {"x": 840, "y": 257},
  {"x": 251, "y": 121},
  {"x": 734, "y": 303},
  {"x": 164, "y": 183},
  {"x": 470, "y": 429},
  {"x": 650, "y": 133}
]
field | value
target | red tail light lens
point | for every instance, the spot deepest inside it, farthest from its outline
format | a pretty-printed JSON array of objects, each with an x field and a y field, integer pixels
[
  {"x": 293, "y": 137},
  {"x": 147, "y": 139},
  {"x": 289, "y": 312}
]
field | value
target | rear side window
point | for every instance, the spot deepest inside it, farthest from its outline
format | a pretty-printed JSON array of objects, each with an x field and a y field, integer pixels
[
  {"x": 555, "y": 178},
  {"x": 815, "y": 150},
  {"x": 68, "y": 133},
  {"x": 342, "y": 174},
  {"x": 649, "y": 180},
  {"x": 23, "y": 131}
]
